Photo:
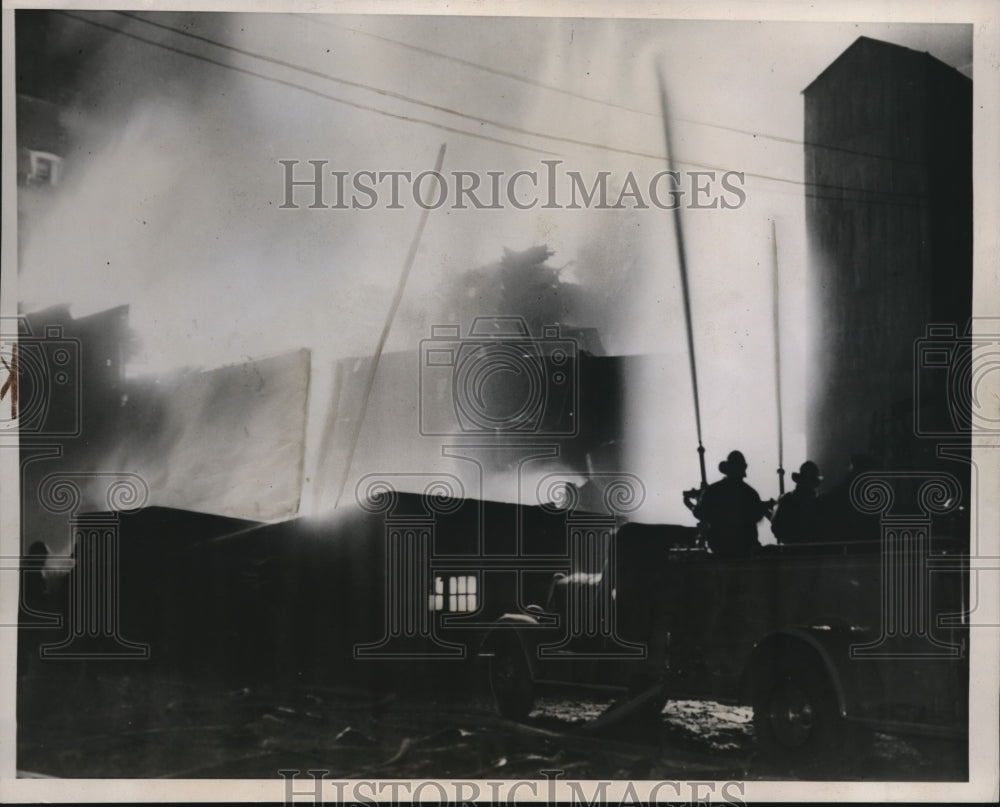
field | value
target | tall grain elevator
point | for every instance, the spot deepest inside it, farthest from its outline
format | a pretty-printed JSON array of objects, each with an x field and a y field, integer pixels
[{"x": 888, "y": 170}]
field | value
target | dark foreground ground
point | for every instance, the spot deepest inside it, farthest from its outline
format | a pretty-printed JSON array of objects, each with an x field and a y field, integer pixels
[{"x": 133, "y": 721}]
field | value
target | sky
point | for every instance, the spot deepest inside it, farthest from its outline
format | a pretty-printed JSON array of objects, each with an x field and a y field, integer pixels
[{"x": 173, "y": 192}]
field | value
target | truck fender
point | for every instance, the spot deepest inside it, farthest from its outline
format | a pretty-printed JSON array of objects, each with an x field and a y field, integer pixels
[
  {"x": 830, "y": 647},
  {"x": 506, "y": 629}
]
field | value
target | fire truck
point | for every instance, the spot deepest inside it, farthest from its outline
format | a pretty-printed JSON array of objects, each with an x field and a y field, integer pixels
[{"x": 828, "y": 642}]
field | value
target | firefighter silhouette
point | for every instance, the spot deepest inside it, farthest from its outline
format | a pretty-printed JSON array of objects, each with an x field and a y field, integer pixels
[{"x": 730, "y": 509}]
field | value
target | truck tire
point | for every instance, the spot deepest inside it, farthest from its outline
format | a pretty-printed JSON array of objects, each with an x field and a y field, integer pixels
[
  {"x": 510, "y": 680},
  {"x": 796, "y": 718}
]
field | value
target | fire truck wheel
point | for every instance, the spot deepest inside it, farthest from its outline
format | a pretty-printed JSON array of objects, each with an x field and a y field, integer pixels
[
  {"x": 795, "y": 716},
  {"x": 510, "y": 680}
]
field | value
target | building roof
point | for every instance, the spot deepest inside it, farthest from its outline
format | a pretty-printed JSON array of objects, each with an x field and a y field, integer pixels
[{"x": 865, "y": 43}]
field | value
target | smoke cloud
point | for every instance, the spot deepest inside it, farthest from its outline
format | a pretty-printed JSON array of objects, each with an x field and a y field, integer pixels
[{"x": 173, "y": 186}]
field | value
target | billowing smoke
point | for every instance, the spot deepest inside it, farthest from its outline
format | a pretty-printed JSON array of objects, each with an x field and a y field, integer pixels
[{"x": 172, "y": 203}]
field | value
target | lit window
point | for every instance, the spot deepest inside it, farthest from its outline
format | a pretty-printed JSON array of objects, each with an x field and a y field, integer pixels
[
  {"x": 460, "y": 592},
  {"x": 437, "y": 598},
  {"x": 44, "y": 168}
]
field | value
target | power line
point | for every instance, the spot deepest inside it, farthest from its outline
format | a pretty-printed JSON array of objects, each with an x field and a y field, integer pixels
[
  {"x": 327, "y": 76},
  {"x": 292, "y": 84},
  {"x": 402, "y": 97},
  {"x": 476, "y": 65},
  {"x": 591, "y": 99},
  {"x": 488, "y": 121},
  {"x": 845, "y": 199},
  {"x": 411, "y": 119}
]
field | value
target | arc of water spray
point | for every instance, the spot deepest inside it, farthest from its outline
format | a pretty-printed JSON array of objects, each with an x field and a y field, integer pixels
[
  {"x": 390, "y": 316},
  {"x": 685, "y": 292},
  {"x": 777, "y": 362}
]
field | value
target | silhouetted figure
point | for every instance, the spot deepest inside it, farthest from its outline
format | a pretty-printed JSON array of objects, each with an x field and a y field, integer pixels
[
  {"x": 36, "y": 588},
  {"x": 730, "y": 509},
  {"x": 797, "y": 518},
  {"x": 840, "y": 520},
  {"x": 34, "y": 596}
]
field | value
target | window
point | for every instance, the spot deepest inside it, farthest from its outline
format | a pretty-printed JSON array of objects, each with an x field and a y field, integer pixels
[
  {"x": 459, "y": 592},
  {"x": 44, "y": 168}
]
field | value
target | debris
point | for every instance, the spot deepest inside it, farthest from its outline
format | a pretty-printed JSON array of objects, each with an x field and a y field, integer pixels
[
  {"x": 404, "y": 749},
  {"x": 444, "y": 737},
  {"x": 648, "y": 700},
  {"x": 351, "y": 736}
]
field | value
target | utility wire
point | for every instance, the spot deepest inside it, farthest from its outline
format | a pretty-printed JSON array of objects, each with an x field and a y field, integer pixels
[
  {"x": 292, "y": 84},
  {"x": 447, "y": 110},
  {"x": 591, "y": 99}
]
